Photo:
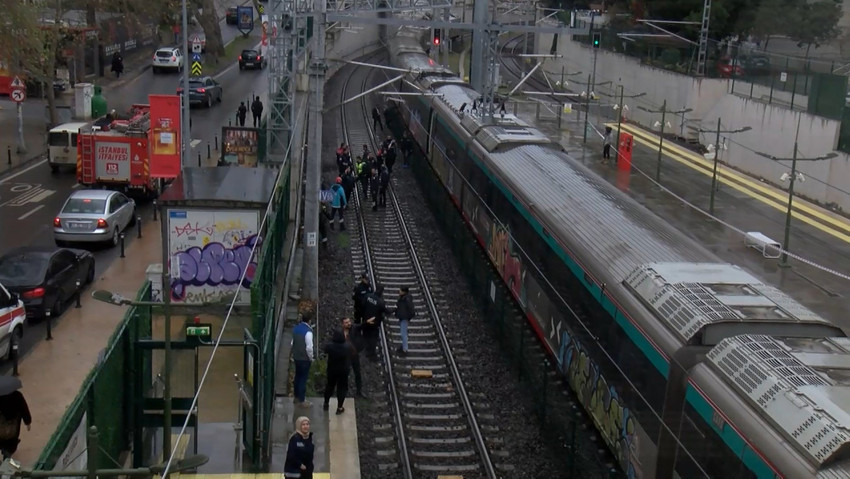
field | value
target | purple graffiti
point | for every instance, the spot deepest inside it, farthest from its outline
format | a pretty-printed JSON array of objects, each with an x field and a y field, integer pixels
[{"x": 214, "y": 265}]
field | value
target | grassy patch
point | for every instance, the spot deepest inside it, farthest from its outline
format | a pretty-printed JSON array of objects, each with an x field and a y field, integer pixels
[
  {"x": 316, "y": 381},
  {"x": 343, "y": 240}
]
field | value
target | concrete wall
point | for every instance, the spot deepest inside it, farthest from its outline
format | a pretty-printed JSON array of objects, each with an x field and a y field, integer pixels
[{"x": 773, "y": 125}]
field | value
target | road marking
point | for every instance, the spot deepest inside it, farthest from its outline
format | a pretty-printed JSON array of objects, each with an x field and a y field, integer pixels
[
  {"x": 748, "y": 187},
  {"x": 194, "y": 143},
  {"x": 20, "y": 188},
  {"x": 25, "y": 215},
  {"x": 34, "y": 195},
  {"x": 76, "y": 185},
  {"x": 15, "y": 175}
]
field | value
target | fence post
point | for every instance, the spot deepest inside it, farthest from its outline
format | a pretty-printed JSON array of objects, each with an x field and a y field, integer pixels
[
  {"x": 772, "y": 82},
  {"x": 793, "y": 91}
]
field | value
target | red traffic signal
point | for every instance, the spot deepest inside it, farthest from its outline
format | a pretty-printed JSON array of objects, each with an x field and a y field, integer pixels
[{"x": 437, "y": 37}]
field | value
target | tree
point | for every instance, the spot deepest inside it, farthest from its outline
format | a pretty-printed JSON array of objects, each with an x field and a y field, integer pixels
[
  {"x": 815, "y": 23},
  {"x": 204, "y": 11}
]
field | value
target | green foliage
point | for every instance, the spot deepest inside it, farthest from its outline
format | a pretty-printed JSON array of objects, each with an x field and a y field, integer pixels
[
  {"x": 671, "y": 56},
  {"x": 815, "y": 23}
]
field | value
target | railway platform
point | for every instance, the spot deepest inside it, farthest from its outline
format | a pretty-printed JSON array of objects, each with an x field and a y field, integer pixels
[{"x": 819, "y": 246}]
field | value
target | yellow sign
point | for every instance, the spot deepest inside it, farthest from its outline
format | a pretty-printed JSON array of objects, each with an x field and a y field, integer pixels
[
  {"x": 261, "y": 9},
  {"x": 196, "y": 68}
]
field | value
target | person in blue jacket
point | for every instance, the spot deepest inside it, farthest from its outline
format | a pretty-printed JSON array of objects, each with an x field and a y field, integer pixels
[
  {"x": 338, "y": 204},
  {"x": 299, "y": 454}
]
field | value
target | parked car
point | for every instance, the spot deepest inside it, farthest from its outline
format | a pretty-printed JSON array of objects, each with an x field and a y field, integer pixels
[
  {"x": 251, "y": 59},
  {"x": 45, "y": 279},
  {"x": 11, "y": 307},
  {"x": 167, "y": 58},
  {"x": 231, "y": 16},
  {"x": 198, "y": 37},
  {"x": 728, "y": 67},
  {"x": 93, "y": 216},
  {"x": 202, "y": 90},
  {"x": 756, "y": 64}
]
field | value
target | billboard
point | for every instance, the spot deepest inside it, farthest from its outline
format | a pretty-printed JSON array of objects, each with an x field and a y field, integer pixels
[
  {"x": 210, "y": 252},
  {"x": 239, "y": 146},
  {"x": 245, "y": 19},
  {"x": 164, "y": 136},
  {"x": 112, "y": 160}
]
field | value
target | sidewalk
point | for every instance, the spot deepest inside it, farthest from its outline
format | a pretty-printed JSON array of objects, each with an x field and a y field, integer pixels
[{"x": 53, "y": 371}]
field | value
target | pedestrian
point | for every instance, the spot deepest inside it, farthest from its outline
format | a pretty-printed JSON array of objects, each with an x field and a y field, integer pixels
[
  {"x": 606, "y": 144},
  {"x": 302, "y": 354},
  {"x": 354, "y": 337},
  {"x": 299, "y": 453},
  {"x": 406, "y": 148},
  {"x": 404, "y": 311},
  {"x": 385, "y": 184},
  {"x": 374, "y": 309},
  {"x": 390, "y": 154},
  {"x": 339, "y": 353},
  {"x": 241, "y": 113},
  {"x": 338, "y": 204},
  {"x": 363, "y": 175},
  {"x": 348, "y": 182},
  {"x": 376, "y": 119},
  {"x": 13, "y": 410},
  {"x": 343, "y": 162},
  {"x": 257, "y": 111},
  {"x": 117, "y": 64},
  {"x": 361, "y": 289},
  {"x": 374, "y": 188},
  {"x": 365, "y": 152},
  {"x": 324, "y": 218}
]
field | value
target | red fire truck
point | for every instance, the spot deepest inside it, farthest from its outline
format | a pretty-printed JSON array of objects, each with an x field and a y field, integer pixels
[{"x": 113, "y": 153}]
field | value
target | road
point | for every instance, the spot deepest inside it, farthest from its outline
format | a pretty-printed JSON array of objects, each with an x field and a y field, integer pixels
[{"x": 31, "y": 197}]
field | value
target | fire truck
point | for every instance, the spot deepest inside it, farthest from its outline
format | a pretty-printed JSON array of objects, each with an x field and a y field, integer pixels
[{"x": 113, "y": 153}]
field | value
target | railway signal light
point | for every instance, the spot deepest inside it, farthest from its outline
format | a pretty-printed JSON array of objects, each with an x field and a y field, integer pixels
[
  {"x": 597, "y": 39},
  {"x": 437, "y": 36}
]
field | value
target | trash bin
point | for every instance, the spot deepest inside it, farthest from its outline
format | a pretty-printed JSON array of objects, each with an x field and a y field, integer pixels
[{"x": 98, "y": 103}]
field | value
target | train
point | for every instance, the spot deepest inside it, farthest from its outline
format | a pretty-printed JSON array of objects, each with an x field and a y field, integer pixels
[{"x": 687, "y": 365}]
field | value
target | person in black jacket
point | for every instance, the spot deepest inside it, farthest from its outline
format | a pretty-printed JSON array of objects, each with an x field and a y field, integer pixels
[
  {"x": 339, "y": 353},
  {"x": 256, "y": 111},
  {"x": 299, "y": 453},
  {"x": 385, "y": 183},
  {"x": 374, "y": 188},
  {"x": 241, "y": 113},
  {"x": 348, "y": 182},
  {"x": 376, "y": 119},
  {"x": 354, "y": 337},
  {"x": 361, "y": 289},
  {"x": 374, "y": 309},
  {"x": 117, "y": 64},
  {"x": 404, "y": 312},
  {"x": 13, "y": 410}
]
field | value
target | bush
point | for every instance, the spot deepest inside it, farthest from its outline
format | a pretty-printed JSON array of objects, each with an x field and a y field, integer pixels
[{"x": 671, "y": 56}]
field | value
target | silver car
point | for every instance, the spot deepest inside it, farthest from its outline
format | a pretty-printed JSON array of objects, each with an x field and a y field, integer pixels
[{"x": 90, "y": 216}]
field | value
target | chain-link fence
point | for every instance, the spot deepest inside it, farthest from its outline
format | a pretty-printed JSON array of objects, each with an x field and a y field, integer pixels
[{"x": 106, "y": 397}]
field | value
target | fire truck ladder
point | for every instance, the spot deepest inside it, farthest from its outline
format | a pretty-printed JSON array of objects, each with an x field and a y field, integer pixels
[{"x": 87, "y": 154}]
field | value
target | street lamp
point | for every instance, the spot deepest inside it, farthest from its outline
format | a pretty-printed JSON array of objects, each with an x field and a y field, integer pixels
[
  {"x": 664, "y": 111},
  {"x": 119, "y": 300},
  {"x": 716, "y": 154},
  {"x": 588, "y": 95},
  {"x": 791, "y": 178}
]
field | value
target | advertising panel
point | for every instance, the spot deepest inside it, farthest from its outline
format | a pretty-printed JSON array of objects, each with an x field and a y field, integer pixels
[
  {"x": 245, "y": 18},
  {"x": 165, "y": 136},
  {"x": 112, "y": 160},
  {"x": 73, "y": 457},
  {"x": 239, "y": 146},
  {"x": 210, "y": 250}
]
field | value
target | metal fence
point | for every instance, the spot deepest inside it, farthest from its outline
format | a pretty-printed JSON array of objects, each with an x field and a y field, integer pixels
[{"x": 106, "y": 398}]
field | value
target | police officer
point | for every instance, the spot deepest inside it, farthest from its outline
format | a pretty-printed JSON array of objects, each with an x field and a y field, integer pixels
[
  {"x": 374, "y": 309},
  {"x": 361, "y": 289}
]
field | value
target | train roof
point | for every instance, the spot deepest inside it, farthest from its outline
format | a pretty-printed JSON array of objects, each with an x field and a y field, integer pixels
[
  {"x": 686, "y": 287},
  {"x": 802, "y": 385},
  {"x": 706, "y": 302}
]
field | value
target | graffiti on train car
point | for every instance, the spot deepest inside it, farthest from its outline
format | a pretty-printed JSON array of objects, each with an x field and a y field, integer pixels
[
  {"x": 508, "y": 264},
  {"x": 613, "y": 419}
]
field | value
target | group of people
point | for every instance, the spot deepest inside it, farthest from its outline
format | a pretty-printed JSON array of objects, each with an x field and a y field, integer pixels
[
  {"x": 348, "y": 342},
  {"x": 256, "y": 112}
]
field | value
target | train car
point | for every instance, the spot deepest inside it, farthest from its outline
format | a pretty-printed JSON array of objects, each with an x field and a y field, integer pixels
[{"x": 630, "y": 308}]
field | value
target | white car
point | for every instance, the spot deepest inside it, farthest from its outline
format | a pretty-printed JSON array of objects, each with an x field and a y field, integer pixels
[
  {"x": 167, "y": 58},
  {"x": 12, "y": 317}
]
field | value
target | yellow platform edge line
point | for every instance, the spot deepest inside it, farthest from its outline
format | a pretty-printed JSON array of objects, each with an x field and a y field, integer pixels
[
  {"x": 706, "y": 166},
  {"x": 782, "y": 207}
]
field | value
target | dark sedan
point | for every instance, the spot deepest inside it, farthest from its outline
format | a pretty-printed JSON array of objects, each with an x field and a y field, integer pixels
[
  {"x": 202, "y": 90},
  {"x": 46, "y": 279},
  {"x": 251, "y": 59}
]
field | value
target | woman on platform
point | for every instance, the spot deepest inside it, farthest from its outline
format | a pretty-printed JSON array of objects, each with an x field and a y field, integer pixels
[{"x": 299, "y": 454}]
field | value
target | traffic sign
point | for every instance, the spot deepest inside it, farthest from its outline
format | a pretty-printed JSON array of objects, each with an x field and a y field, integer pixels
[
  {"x": 18, "y": 95},
  {"x": 196, "y": 47},
  {"x": 196, "y": 68},
  {"x": 17, "y": 83},
  {"x": 196, "y": 57}
]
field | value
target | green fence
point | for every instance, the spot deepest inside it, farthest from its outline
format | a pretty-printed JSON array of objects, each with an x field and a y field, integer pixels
[{"x": 105, "y": 399}]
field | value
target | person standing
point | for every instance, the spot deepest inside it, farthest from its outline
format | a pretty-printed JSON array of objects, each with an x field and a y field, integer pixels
[
  {"x": 406, "y": 148},
  {"x": 355, "y": 339},
  {"x": 373, "y": 310},
  {"x": 256, "y": 111},
  {"x": 299, "y": 453},
  {"x": 348, "y": 182},
  {"x": 338, "y": 204},
  {"x": 376, "y": 119},
  {"x": 302, "y": 354},
  {"x": 361, "y": 289},
  {"x": 117, "y": 64},
  {"x": 13, "y": 410},
  {"x": 404, "y": 311},
  {"x": 606, "y": 144},
  {"x": 385, "y": 184},
  {"x": 374, "y": 188},
  {"x": 362, "y": 170},
  {"x": 339, "y": 353},
  {"x": 241, "y": 113}
]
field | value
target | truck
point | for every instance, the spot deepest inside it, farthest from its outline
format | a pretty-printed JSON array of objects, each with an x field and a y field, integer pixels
[{"x": 114, "y": 153}]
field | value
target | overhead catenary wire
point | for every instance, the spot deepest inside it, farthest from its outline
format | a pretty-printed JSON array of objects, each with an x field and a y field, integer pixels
[{"x": 202, "y": 382}]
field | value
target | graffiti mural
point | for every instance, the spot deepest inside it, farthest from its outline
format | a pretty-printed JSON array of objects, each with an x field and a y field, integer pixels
[
  {"x": 500, "y": 248},
  {"x": 613, "y": 419},
  {"x": 211, "y": 254}
]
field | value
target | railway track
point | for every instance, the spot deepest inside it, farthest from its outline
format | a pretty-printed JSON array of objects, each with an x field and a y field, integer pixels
[{"x": 431, "y": 427}]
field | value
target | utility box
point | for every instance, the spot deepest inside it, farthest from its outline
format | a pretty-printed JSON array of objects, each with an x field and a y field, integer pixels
[
  {"x": 154, "y": 274},
  {"x": 83, "y": 93}
]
